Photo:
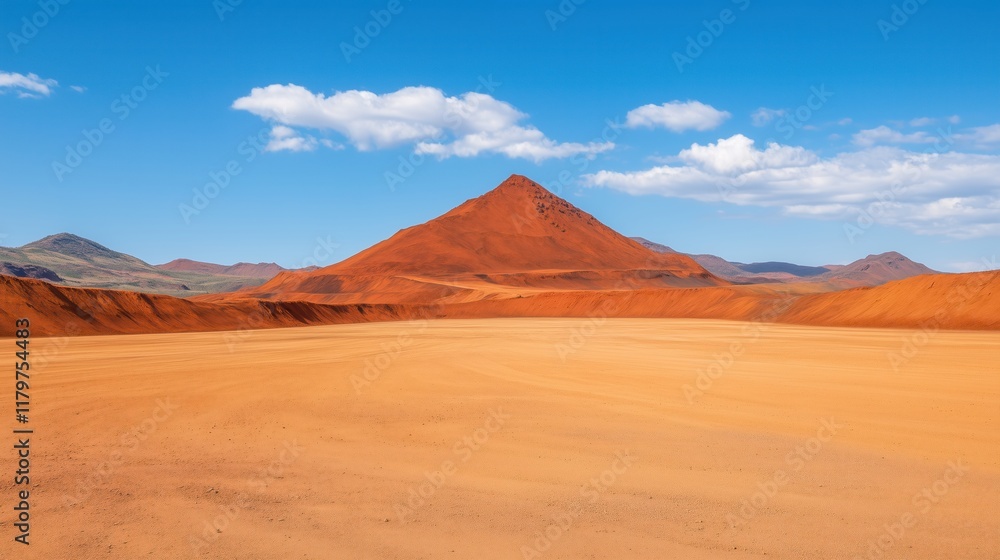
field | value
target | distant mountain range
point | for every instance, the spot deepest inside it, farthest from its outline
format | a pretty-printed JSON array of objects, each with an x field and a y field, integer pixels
[
  {"x": 451, "y": 245},
  {"x": 869, "y": 271},
  {"x": 516, "y": 251},
  {"x": 70, "y": 260},
  {"x": 248, "y": 270}
]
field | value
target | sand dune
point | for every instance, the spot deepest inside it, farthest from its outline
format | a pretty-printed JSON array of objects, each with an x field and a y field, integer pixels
[
  {"x": 945, "y": 301},
  {"x": 939, "y": 301},
  {"x": 951, "y": 301},
  {"x": 312, "y": 443}
]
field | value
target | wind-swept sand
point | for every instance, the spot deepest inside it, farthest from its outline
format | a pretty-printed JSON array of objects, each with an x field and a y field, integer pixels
[{"x": 307, "y": 442}]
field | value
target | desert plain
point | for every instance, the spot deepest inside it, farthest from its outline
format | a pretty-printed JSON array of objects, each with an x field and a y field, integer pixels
[{"x": 517, "y": 438}]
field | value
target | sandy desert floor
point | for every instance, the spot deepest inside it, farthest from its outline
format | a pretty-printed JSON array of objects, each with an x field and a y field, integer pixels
[{"x": 515, "y": 438}]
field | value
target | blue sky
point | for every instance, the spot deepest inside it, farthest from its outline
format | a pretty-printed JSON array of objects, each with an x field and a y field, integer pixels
[{"x": 815, "y": 133}]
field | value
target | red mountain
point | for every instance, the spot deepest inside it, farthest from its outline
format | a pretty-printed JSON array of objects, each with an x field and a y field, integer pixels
[
  {"x": 517, "y": 236},
  {"x": 247, "y": 270}
]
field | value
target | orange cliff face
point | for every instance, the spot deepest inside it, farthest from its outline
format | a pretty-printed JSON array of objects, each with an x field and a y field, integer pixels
[
  {"x": 516, "y": 237},
  {"x": 61, "y": 311}
]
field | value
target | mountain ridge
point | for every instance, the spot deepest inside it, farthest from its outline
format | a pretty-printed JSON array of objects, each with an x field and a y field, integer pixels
[
  {"x": 266, "y": 270},
  {"x": 74, "y": 261},
  {"x": 872, "y": 270}
]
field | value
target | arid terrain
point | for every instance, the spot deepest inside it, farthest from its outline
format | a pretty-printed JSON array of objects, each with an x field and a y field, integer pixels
[
  {"x": 559, "y": 280},
  {"x": 518, "y": 438},
  {"x": 514, "y": 379},
  {"x": 516, "y": 251}
]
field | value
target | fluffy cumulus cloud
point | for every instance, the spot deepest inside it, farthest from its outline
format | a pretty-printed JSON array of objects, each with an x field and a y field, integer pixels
[
  {"x": 464, "y": 126},
  {"x": 30, "y": 85},
  {"x": 950, "y": 193},
  {"x": 677, "y": 116}
]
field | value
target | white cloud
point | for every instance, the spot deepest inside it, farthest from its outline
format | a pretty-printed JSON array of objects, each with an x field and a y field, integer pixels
[
  {"x": 677, "y": 116},
  {"x": 922, "y": 121},
  {"x": 954, "y": 194},
  {"x": 463, "y": 126},
  {"x": 981, "y": 136},
  {"x": 26, "y": 86},
  {"x": 845, "y": 121},
  {"x": 954, "y": 119},
  {"x": 513, "y": 142},
  {"x": 885, "y": 135},
  {"x": 763, "y": 116},
  {"x": 78, "y": 89},
  {"x": 737, "y": 154},
  {"x": 284, "y": 138}
]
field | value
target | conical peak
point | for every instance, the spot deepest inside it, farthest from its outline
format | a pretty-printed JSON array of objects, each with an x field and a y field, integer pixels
[
  {"x": 517, "y": 185},
  {"x": 517, "y": 227},
  {"x": 519, "y": 206}
]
